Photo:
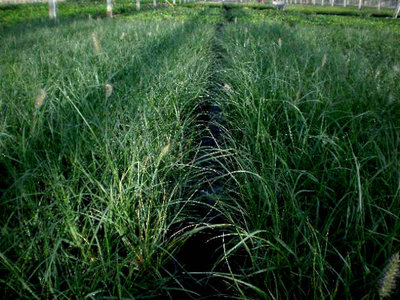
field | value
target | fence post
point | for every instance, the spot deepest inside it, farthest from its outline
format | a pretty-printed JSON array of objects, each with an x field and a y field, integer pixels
[
  {"x": 332, "y": 2},
  {"x": 396, "y": 14},
  {"x": 52, "y": 9},
  {"x": 109, "y": 8},
  {"x": 360, "y": 4},
  {"x": 137, "y": 4},
  {"x": 155, "y": 3},
  {"x": 344, "y": 3}
]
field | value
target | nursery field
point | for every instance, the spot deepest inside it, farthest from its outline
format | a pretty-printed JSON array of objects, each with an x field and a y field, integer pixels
[{"x": 200, "y": 152}]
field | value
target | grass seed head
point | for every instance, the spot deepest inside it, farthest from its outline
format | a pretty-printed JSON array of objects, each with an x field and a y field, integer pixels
[
  {"x": 390, "y": 275},
  {"x": 39, "y": 100},
  {"x": 96, "y": 42},
  {"x": 109, "y": 90},
  {"x": 280, "y": 42},
  {"x": 227, "y": 87},
  {"x": 323, "y": 62},
  {"x": 164, "y": 152},
  {"x": 377, "y": 73}
]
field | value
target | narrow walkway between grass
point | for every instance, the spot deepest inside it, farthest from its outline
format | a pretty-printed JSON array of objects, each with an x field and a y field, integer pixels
[{"x": 199, "y": 258}]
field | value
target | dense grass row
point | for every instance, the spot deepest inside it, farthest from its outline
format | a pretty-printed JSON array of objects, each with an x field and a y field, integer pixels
[
  {"x": 313, "y": 118},
  {"x": 11, "y": 15},
  {"x": 297, "y": 16},
  {"x": 343, "y": 11},
  {"x": 91, "y": 179}
]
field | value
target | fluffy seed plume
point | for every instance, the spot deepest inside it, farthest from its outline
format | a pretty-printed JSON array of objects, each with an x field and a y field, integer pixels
[
  {"x": 377, "y": 73},
  {"x": 109, "y": 90},
  {"x": 280, "y": 42},
  {"x": 96, "y": 42},
  {"x": 323, "y": 62},
  {"x": 227, "y": 87},
  {"x": 163, "y": 152},
  {"x": 390, "y": 274},
  {"x": 39, "y": 100}
]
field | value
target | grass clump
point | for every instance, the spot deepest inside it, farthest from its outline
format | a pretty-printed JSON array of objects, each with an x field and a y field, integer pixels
[
  {"x": 92, "y": 179},
  {"x": 313, "y": 117}
]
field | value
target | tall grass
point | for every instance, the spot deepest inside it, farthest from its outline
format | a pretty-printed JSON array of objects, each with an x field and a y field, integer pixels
[
  {"x": 92, "y": 177},
  {"x": 313, "y": 115},
  {"x": 102, "y": 173}
]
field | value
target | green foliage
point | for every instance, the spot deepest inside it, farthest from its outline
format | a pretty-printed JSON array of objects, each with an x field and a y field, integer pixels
[
  {"x": 99, "y": 149},
  {"x": 340, "y": 11},
  {"x": 92, "y": 181},
  {"x": 295, "y": 17},
  {"x": 11, "y": 15},
  {"x": 313, "y": 115}
]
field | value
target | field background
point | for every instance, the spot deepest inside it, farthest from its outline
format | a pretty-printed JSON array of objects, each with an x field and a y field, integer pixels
[{"x": 232, "y": 151}]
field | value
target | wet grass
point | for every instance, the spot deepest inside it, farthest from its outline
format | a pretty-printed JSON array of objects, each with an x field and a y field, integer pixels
[
  {"x": 107, "y": 184},
  {"x": 313, "y": 116},
  {"x": 92, "y": 179}
]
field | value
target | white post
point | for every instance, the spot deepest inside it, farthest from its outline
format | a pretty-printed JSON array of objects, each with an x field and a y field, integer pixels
[
  {"x": 137, "y": 4},
  {"x": 52, "y": 9},
  {"x": 379, "y": 5},
  {"x": 109, "y": 8},
  {"x": 174, "y": 2},
  {"x": 360, "y": 4},
  {"x": 344, "y": 3},
  {"x": 396, "y": 14},
  {"x": 155, "y": 3},
  {"x": 332, "y": 2},
  {"x": 322, "y": 2}
]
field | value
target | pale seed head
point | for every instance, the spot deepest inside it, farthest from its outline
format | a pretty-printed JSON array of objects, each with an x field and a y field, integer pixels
[
  {"x": 39, "y": 100},
  {"x": 96, "y": 43},
  {"x": 109, "y": 90},
  {"x": 227, "y": 87},
  {"x": 323, "y": 62},
  {"x": 390, "y": 274}
]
